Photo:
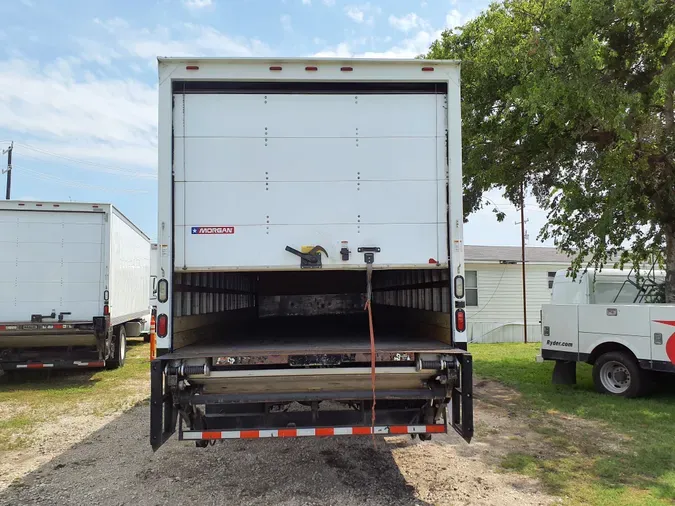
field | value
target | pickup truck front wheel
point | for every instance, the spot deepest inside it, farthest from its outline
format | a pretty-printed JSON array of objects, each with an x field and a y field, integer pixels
[{"x": 617, "y": 373}]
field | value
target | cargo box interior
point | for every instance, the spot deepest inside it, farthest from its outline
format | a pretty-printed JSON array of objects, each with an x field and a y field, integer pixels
[{"x": 309, "y": 312}]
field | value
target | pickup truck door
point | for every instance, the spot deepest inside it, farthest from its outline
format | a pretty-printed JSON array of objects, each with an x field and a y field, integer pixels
[{"x": 663, "y": 335}]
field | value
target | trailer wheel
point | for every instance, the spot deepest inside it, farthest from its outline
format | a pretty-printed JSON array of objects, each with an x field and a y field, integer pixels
[
  {"x": 119, "y": 343},
  {"x": 617, "y": 373}
]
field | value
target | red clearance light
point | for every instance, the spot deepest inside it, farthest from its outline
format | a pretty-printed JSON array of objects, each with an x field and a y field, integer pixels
[
  {"x": 162, "y": 325},
  {"x": 427, "y": 69},
  {"x": 346, "y": 69},
  {"x": 275, "y": 68},
  {"x": 57, "y": 205},
  {"x": 460, "y": 320},
  {"x": 191, "y": 67},
  {"x": 311, "y": 69},
  {"x": 433, "y": 261},
  {"x": 106, "y": 310},
  {"x": 95, "y": 207},
  {"x": 21, "y": 204},
  {"x": 38, "y": 205}
]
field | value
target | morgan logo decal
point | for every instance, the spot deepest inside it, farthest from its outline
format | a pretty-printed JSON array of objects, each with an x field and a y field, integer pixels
[
  {"x": 670, "y": 344},
  {"x": 212, "y": 230}
]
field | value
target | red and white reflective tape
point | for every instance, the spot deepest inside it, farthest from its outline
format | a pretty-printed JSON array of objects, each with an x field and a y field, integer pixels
[
  {"x": 315, "y": 432},
  {"x": 33, "y": 365},
  {"x": 96, "y": 363}
]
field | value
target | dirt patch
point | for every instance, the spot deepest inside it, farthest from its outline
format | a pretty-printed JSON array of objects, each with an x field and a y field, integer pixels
[
  {"x": 508, "y": 427},
  {"x": 56, "y": 433},
  {"x": 113, "y": 464}
]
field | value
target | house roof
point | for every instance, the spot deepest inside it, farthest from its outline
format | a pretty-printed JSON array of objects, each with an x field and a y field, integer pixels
[{"x": 513, "y": 254}]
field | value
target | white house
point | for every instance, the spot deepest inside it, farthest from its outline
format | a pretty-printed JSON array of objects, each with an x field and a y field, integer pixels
[{"x": 494, "y": 288}]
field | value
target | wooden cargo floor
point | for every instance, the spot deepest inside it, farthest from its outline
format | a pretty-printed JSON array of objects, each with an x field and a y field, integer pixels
[{"x": 309, "y": 335}]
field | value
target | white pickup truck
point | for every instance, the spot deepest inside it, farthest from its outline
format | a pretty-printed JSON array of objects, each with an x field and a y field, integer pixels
[{"x": 598, "y": 319}]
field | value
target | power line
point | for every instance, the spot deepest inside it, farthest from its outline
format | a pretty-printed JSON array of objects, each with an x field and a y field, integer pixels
[
  {"x": 105, "y": 168},
  {"x": 74, "y": 184}
]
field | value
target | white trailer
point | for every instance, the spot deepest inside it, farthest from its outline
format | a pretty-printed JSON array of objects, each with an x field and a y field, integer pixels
[
  {"x": 291, "y": 193},
  {"x": 74, "y": 284},
  {"x": 593, "y": 321}
]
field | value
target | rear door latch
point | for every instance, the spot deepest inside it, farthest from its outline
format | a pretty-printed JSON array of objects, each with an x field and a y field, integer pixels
[{"x": 311, "y": 259}]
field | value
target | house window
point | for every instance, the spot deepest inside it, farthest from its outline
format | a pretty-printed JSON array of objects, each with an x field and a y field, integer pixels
[
  {"x": 551, "y": 277},
  {"x": 471, "y": 287}
]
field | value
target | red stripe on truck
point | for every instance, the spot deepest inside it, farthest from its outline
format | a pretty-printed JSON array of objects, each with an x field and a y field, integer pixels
[
  {"x": 315, "y": 432},
  {"x": 670, "y": 344}
]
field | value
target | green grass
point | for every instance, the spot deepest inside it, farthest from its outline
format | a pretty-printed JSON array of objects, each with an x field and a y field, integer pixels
[
  {"x": 638, "y": 469},
  {"x": 31, "y": 398}
]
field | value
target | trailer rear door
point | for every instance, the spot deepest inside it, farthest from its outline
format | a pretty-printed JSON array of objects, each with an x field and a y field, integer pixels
[
  {"x": 256, "y": 172},
  {"x": 51, "y": 261}
]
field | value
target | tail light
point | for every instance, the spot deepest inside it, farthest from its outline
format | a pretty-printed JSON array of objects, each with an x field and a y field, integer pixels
[
  {"x": 459, "y": 287},
  {"x": 460, "y": 320},
  {"x": 153, "y": 335},
  {"x": 162, "y": 325},
  {"x": 163, "y": 290},
  {"x": 106, "y": 310}
]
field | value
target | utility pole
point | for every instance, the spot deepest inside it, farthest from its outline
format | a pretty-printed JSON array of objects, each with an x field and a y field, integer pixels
[
  {"x": 8, "y": 170},
  {"x": 522, "y": 246}
]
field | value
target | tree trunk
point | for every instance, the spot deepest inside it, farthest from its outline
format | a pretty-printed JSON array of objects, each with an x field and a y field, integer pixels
[{"x": 670, "y": 264}]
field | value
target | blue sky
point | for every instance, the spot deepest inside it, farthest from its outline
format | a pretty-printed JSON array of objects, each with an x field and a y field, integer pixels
[{"x": 78, "y": 81}]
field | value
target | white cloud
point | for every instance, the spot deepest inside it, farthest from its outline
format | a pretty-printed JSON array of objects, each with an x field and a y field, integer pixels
[
  {"x": 355, "y": 13},
  {"x": 408, "y": 22},
  {"x": 454, "y": 18},
  {"x": 77, "y": 114},
  {"x": 306, "y": 2},
  {"x": 183, "y": 40},
  {"x": 420, "y": 35},
  {"x": 342, "y": 50},
  {"x": 362, "y": 13},
  {"x": 91, "y": 106},
  {"x": 197, "y": 4},
  {"x": 286, "y": 23}
]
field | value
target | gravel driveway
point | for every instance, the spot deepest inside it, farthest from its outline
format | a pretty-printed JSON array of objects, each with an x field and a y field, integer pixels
[{"x": 115, "y": 466}]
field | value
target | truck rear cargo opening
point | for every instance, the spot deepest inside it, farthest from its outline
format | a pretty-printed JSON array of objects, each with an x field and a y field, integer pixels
[{"x": 305, "y": 263}]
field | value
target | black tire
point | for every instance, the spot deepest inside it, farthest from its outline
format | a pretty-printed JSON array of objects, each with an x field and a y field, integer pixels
[
  {"x": 119, "y": 348},
  {"x": 618, "y": 373},
  {"x": 146, "y": 338}
]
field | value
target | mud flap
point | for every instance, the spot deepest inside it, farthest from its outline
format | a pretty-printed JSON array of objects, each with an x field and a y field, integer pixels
[
  {"x": 564, "y": 373},
  {"x": 461, "y": 403},
  {"x": 163, "y": 413}
]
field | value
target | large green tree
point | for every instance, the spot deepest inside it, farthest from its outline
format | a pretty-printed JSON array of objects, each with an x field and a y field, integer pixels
[{"x": 575, "y": 99}]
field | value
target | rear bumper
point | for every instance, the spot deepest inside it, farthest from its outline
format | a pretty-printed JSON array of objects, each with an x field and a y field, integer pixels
[
  {"x": 47, "y": 339},
  {"x": 52, "y": 364},
  {"x": 407, "y": 402}
]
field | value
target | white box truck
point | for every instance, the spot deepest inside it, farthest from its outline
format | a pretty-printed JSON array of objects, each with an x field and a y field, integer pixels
[
  {"x": 74, "y": 284},
  {"x": 603, "y": 318},
  {"x": 293, "y": 194}
]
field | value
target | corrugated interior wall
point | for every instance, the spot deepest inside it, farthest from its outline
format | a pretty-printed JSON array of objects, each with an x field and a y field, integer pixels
[
  {"x": 415, "y": 300},
  {"x": 205, "y": 302},
  {"x": 426, "y": 289}
]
